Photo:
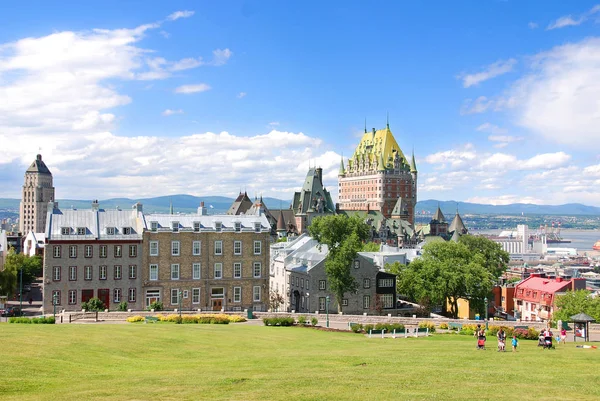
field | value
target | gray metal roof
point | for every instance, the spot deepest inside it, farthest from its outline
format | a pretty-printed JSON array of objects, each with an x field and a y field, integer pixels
[
  {"x": 38, "y": 166},
  {"x": 208, "y": 222}
]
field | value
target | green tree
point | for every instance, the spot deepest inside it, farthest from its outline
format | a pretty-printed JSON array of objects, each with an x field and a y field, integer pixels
[
  {"x": 495, "y": 260},
  {"x": 574, "y": 302},
  {"x": 445, "y": 272},
  {"x": 370, "y": 247},
  {"x": 94, "y": 305},
  {"x": 10, "y": 276},
  {"x": 344, "y": 237},
  {"x": 275, "y": 300}
]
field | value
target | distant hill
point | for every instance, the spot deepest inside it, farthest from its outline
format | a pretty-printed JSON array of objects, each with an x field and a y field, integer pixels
[{"x": 220, "y": 204}]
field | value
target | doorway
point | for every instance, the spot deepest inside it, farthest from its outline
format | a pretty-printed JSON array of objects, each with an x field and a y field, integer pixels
[{"x": 217, "y": 304}]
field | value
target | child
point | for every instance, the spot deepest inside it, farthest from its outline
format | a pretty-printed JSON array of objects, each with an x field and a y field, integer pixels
[
  {"x": 501, "y": 339},
  {"x": 515, "y": 343}
]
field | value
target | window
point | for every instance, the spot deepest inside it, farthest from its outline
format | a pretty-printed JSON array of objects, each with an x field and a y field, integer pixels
[
  {"x": 72, "y": 251},
  {"x": 387, "y": 300},
  {"x": 237, "y": 294},
  {"x": 126, "y": 230},
  {"x": 345, "y": 302},
  {"x": 307, "y": 286},
  {"x": 88, "y": 251},
  {"x": 132, "y": 251},
  {"x": 132, "y": 295},
  {"x": 118, "y": 251},
  {"x": 218, "y": 247},
  {"x": 174, "y": 272},
  {"x": 153, "y": 248},
  {"x": 196, "y": 248},
  {"x": 238, "y": 226},
  {"x": 366, "y": 302},
  {"x": 257, "y": 227},
  {"x": 257, "y": 269},
  {"x": 117, "y": 272},
  {"x": 218, "y": 226},
  {"x": 72, "y": 297},
  {"x": 256, "y": 293},
  {"x": 87, "y": 273},
  {"x": 80, "y": 230},
  {"x": 154, "y": 226},
  {"x": 237, "y": 247},
  {"x": 386, "y": 282},
  {"x": 72, "y": 273},
  {"x": 257, "y": 247},
  {"x": 322, "y": 284},
  {"x": 196, "y": 271},
  {"x": 110, "y": 231},
  {"x": 56, "y": 251},
  {"x": 103, "y": 251},
  {"x": 367, "y": 283},
  {"x": 195, "y": 295},
  {"x": 132, "y": 271},
  {"x": 175, "y": 226},
  {"x": 56, "y": 273},
  {"x": 175, "y": 248},
  {"x": 217, "y": 293},
  {"x": 117, "y": 295},
  {"x": 174, "y": 296},
  {"x": 321, "y": 303},
  {"x": 103, "y": 270},
  {"x": 301, "y": 283},
  {"x": 297, "y": 281},
  {"x": 237, "y": 270},
  {"x": 218, "y": 270},
  {"x": 196, "y": 226},
  {"x": 65, "y": 230},
  {"x": 153, "y": 272},
  {"x": 357, "y": 264},
  {"x": 56, "y": 297}
]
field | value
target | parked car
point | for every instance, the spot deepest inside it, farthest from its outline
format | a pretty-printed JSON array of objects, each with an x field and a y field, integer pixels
[
  {"x": 11, "y": 311},
  {"x": 27, "y": 287}
]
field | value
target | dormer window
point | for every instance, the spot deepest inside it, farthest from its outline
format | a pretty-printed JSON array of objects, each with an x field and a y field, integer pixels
[
  {"x": 126, "y": 230},
  {"x": 218, "y": 226},
  {"x": 80, "y": 230},
  {"x": 154, "y": 226},
  {"x": 175, "y": 226},
  {"x": 257, "y": 227},
  {"x": 110, "y": 231},
  {"x": 196, "y": 226},
  {"x": 65, "y": 230},
  {"x": 238, "y": 226}
]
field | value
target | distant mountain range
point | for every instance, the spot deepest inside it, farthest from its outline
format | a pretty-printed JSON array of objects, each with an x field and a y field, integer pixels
[{"x": 220, "y": 204}]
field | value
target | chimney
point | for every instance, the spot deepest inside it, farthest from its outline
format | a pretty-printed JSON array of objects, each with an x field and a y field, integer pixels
[
  {"x": 559, "y": 279},
  {"x": 202, "y": 210},
  {"x": 138, "y": 207},
  {"x": 95, "y": 205}
]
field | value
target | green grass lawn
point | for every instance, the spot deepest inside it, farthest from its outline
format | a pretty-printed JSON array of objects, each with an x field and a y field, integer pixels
[{"x": 246, "y": 362}]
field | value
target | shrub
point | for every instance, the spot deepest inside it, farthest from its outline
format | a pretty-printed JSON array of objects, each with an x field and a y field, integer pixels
[
  {"x": 357, "y": 328},
  {"x": 444, "y": 326},
  {"x": 302, "y": 320},
  {"x": 236, "y": 318},
  {"x": 133, "y": 319},
  {"x": 368, "y": 327},
  {"x": 427, "y": 325},
  {"x": 219, "y": 320},
  {"x": 123, "y": 306},
  {"x": 314, "y": 321},
  {"x": 278, "y": 321},
  {"x": 266, "y": 321},
  {"x": 156, "y": 305},
  {"x": 187, "y": 319},
  {"x": 35, "y": 320}
]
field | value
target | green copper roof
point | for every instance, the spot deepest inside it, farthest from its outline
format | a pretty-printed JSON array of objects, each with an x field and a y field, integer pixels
[
  {"x": 342, "y": 169},
  {"x": 413, "y": 164}
]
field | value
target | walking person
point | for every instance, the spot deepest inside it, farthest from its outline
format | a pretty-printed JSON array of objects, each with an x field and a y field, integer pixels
[
  {"x": 563, "y": 335},
  {"x": 501, "y": 340},
  {"x": 515, "y": 344}
]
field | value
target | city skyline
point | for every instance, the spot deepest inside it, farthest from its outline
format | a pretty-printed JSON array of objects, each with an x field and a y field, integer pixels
[{"x": 498, "y": 102}]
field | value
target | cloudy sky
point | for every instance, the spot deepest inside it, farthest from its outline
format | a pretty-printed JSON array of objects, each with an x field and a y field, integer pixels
[{"x": 500, "y": 100}]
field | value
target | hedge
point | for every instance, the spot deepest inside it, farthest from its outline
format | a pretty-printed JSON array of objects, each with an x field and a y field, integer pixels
[
  {"x": 279, "y": 321},
  {"x": 34, "y": 320}
]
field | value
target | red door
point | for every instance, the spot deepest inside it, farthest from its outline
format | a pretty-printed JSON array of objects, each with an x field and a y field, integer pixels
[
  {"x": 104, "y": 296},
  {"x": 86, "y": 295}
]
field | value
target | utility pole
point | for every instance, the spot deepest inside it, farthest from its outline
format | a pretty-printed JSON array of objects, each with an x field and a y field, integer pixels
[{"x": 21, "y": 293}]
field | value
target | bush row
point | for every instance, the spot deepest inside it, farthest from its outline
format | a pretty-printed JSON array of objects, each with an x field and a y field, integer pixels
[
  {"x": 525, "y": 334},
  {"x": 34, "y": 320},
  {"x": 427, "y": 325},
  {"x": 193, "y": 319},
  {"x": 279, "y": 321},
  {"x": 388, "y": 327}
]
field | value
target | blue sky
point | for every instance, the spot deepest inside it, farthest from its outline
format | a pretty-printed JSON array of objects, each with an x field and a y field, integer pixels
[{"x": 499, "y": 99}]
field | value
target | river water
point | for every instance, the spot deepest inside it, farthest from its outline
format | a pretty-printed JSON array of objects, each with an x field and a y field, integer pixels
[{"x": 583, "y": 240}]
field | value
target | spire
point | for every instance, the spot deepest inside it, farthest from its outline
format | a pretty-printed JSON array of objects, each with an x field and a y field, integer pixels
[
  {"x": 413, "y": 164},
  {"x": 342, "y": 169},
  {"x": 439, "y": 216},
  {"x": 387, "y": 124},
  {"x": 365, "y": 125},
  {"x": 458, "y": 225},
  {"x": 170, "y": 206}
]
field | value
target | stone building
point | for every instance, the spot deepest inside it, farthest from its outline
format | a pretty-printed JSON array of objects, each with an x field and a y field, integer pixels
[
  {"x": 216, "y": 262},
  {"x": 93, "y": 253},
  {"x": 377, "y": 175},
  {"x": 313, "y": 200},
  {"x": 38, "y": 191}
]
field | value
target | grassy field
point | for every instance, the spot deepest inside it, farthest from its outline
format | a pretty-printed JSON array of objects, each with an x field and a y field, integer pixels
[{"x": 246, "y": 362}]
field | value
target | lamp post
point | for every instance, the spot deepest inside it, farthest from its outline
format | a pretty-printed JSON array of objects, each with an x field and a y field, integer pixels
[
  {"x": 54, "y": 302},
  {"x": 485, "y": 301},
  {"x": 180, "y": 294},
  {"x": 21, "y": 292},
  {"x": 327, "y": 309}
]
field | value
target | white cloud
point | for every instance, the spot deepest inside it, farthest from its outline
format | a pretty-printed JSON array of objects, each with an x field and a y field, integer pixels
[
  {"x": 491, "y": 71},
  {"x": 221, "y": 56},
  {"x": 274, "y": 124},
  {"x": 186, "y": 64},
  {"x": 532, "y": 25},
  {"x": 241, "y": 95},
  {"x": 187, "y": 89},
  {"x": 503, "y": 140},
  {"x": 169, "y": 112},
  {"x": 492, "y": 129},
  {"x": 479, "y": 105},
  {"x": 562, "y": 22},
  {"x": 546, "y": 161},
  {"x": 180, "y": 14}
]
